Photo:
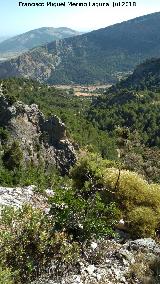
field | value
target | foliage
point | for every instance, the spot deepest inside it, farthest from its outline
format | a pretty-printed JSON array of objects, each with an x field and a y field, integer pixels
[
  {"x": 126, "y": 108},
  {"x": 155, "y": 267},
  {"x": 135, "y": 156},
  {"x": 88, "y": 206},
  {"x": 6, "y": 276},
  {"x": 71, "y": 110},
  {"x": 13, "y": 156},
  {"x": 145, "y": 77},
  {"x": 87, "y": 174},
  {"x": 80, "y": 218},
  {"x": 24, "y": 239},
  {"x": 38, "y": 175},
  {"x": 131, "y": 113},
  {"x": 136, "y": 199},
  {"x": 141, "y": 222},
  {"x": 4, "y": 135},
  {"x": 129, "y": 192},
  {"x": 132, "y": 103}
]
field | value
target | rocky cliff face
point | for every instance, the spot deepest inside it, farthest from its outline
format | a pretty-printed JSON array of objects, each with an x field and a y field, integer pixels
[{"x": 40, "y": 139}]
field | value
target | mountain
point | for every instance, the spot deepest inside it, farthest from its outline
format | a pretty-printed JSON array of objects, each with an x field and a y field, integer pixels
[
  {"x": 2, "y": 38},
  {"x": 145, "y": 77},
  {"x": 34, "y": 38},
  {"x": 133, "y": 103},
  {"x": 130, "y": 112},
  {"x": 99, "y": 56}
]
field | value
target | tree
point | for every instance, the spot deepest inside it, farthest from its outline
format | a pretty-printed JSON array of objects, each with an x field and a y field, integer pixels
[{"x": 12, "y": 157}]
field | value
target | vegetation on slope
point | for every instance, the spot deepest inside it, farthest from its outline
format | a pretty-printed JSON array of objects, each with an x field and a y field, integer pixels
[
  {"x": 89, "y": 203},
  {"x": 145, "y": 77},
  {"x": 69, "y": 108},
  {"x": 104, "y": 55},
  {"x": 23, "y": 42},
  {"x": 88, "y": 206},
  {"x": 130, "y": 111}
]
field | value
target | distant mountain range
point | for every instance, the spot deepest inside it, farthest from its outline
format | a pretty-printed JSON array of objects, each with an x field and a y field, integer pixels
[
  {"x": 104, "y": 55},
  {"x": 2, "y": 38},
  {"x": 24, "y": 42}
]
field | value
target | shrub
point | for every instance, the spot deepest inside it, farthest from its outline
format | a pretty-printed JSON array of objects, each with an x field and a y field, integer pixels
[
  {"x": 29, "y": 246},
  {"x": 4, "y": 135},
  {"x": 129, "y": 190},
  {"x": 155, "y": 268},
  {"x": 13, "y": 156},
  {"x": 25, "y": 241},
  {"x": 88, "y": 174},
  {"x": 6, "y": 276},
  {"x": 82, "y": 218},
  {"x": 142, "y": 222}
]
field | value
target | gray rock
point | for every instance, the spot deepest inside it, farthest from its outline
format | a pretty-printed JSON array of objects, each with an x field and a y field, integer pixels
[
  {"x": 147, "y": 244},
  {"x": 126, "y": 256},
  {"x": 18, "y": 196},
  {"x": 40, "y": 139}
]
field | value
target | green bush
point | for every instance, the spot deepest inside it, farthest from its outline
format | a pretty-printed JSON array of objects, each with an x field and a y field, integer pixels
[
  {"x": 142, "y": 222},
  {"x": 25, "y": 241},
  {"x": 127, "y": 190},
  {"x": 82, "y": 218},
  {"x": 131, "y": 190},
  {"x": 88, "y": 174},
  {"x": 4, "y": 135},
  {"x": 6, "y": 276},
  {"x": 13, "y": 156},
  {"x": 138, "y": 201},
  {"x": 29, "y": 244}
]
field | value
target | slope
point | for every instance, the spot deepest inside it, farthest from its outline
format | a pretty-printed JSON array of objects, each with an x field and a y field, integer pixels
[
  {"x": 104, "y": 55},
  {"x": 24, "y": 42}
]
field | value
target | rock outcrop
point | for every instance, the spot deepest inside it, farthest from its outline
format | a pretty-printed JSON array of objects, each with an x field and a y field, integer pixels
[
  {"x": 40, "y": 139},
  {"x": 109, "y": 263}
]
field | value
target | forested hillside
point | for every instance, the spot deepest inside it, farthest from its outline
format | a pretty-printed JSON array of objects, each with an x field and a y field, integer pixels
[
  {"x": 80, "y": 223},
  {"x": 69, "y": 108},
  {"x": 145, "y": 77},
  {"x": 130, "y": 111}
]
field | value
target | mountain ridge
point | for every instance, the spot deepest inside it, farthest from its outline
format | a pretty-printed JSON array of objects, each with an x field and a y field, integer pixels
[
  {"x": 33, "y": 38},
  {"x": 103, "y": 55}
]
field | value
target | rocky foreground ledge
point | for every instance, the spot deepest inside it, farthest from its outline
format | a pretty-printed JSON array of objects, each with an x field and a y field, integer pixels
[
  {"x": 103, "y": 262},
  {"x": 18, "y": 196},
  {"x": 110, "y": 262}
]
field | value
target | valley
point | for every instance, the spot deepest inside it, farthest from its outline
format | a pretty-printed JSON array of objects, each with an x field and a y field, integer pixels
[
  {"x": 84, "y": 91},
  {"x": 80, "y": 155}
]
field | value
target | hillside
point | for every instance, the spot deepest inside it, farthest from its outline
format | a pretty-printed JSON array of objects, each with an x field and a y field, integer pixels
[
  {"x": 23, "y": 42},
  {"x": 145, "y": 77},
  {"x": 103, "y": 55},
  {"x": 130, "y": 111},
  {"x": 133, "y": 102},
  {"x": 2, "y": 38},
  {"x": 67, "y": 214}
]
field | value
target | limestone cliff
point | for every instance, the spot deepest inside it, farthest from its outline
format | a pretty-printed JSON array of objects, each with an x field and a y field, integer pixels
[{"x": 40, "y": 139}]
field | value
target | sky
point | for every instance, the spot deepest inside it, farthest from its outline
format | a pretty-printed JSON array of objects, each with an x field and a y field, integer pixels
[{"x": 15, "y": 19}]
